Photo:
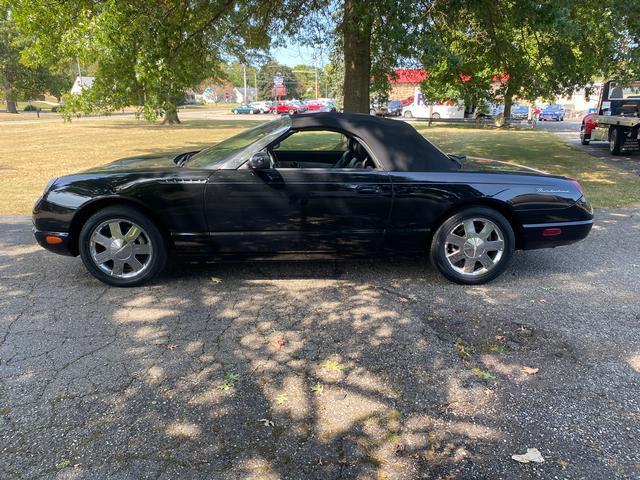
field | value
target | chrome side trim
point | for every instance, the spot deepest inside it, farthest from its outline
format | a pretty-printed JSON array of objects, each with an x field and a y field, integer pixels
[{"x": 560, "y": 224}]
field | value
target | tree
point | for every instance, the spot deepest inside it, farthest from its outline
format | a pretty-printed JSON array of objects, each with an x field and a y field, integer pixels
[
  {"x": 265, "y": 79},
  {"x": 147, "y": 52},
  {"x": 375, "y": 37},
  {"x": 305, "y": 76},
  {"x": 16, "y": 80},
  {"x": 523, "y": 48}
]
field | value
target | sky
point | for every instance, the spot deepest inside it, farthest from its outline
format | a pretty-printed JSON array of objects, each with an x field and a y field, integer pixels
[{"x": 294, "y": 54}]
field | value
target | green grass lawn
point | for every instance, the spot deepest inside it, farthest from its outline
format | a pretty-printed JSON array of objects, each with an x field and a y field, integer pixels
[{"x": 31, "y": 153}]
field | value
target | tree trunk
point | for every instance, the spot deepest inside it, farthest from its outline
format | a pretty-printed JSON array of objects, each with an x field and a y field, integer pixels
[
  {"x": 508, "y": 100},
  {"x": 10, "y": 96},
  {"x": 171, "y": 116},
  {"x": 356, "y": 35}
]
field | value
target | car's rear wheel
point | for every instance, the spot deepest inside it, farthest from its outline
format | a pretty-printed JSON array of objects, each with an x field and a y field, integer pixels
[
  {"x": 616, "y": 140},
  {"x": 435, "y": 116},
  {"x": 122, "y": 247},
  {"x": 408, "y": 114},
  {"x": 473, "y": 246}
]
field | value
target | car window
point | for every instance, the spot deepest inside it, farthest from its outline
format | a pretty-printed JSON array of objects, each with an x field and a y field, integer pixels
[
  {"x": 314, "y": 141},
  {"x": 234, "y": 151}
]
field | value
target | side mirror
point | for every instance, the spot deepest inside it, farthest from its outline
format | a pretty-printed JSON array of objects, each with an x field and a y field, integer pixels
[{"x": 260, "y": 161}]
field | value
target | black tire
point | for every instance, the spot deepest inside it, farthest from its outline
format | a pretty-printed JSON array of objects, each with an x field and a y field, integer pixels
[
  {"x": 616, "y": 140},
  {"x": 408, "y": 114},
  {"x": 437, "y": 251},
  {"x": 156, "y": 262},
  {"x": 584, "y": 138},
  {"x": 436, "y": 116},
  {"x": 292, "y": 111}
]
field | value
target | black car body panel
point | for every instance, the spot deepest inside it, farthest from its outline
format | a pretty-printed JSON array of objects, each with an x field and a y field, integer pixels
[{"x": 224, "y": 211}]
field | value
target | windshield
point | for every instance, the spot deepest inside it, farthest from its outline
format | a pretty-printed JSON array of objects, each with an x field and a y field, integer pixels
[
  {"x": 553, "y": 106},
  {"x": 234, "y": 151}
]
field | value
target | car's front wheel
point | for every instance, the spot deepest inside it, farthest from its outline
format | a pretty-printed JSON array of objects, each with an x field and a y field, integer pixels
[
  {"x": 473, "y": 246},
  {"x": 122, "y": 247}
]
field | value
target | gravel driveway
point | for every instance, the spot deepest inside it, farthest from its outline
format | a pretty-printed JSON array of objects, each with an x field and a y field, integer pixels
[{"x": 323, "y": 370}]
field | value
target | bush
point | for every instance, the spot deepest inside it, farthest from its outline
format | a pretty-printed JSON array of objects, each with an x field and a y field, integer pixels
[
  {"x": 54, "y": 109},
  {"x": 30, "y": 108}
]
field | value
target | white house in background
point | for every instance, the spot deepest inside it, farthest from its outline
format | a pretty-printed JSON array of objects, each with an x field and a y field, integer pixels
[
  {"x": 81, "y": 83},
  {"x": 238, "y": 94}
]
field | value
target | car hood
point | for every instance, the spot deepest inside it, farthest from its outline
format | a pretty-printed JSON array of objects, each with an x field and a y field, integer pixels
[
  {"x": 475, "y": 164},
  {"x": 159, "y": 161}
]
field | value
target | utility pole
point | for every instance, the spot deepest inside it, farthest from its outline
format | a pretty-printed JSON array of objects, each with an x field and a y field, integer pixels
[
  {"x": 244, "y": 73},
  {"x": 79, "y": 72}
]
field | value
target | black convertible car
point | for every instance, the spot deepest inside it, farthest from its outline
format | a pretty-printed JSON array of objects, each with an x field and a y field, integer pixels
[{"x": 327, "y": 183}]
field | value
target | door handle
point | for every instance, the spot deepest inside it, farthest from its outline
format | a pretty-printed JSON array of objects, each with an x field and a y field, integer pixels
[{"x": 368, "y": 189}]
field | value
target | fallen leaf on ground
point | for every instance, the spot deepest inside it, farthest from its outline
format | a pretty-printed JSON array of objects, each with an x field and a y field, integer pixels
[
  {"x": 266, "y": 422},
  {"x": 282, "y": 399},
  {"x": 317, "y": 389},
  {"x": 532, "y": 455},
  {"x": 403, "y": 299},
  {"x": 529, "y": 370},
  {"x": 280, "y": 342},
  {"x": 500, "y": 338},
  {"x": 215, "y": 280}
]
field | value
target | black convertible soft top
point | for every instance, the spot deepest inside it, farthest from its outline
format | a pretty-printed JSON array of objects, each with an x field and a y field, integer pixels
[{"x": 395, "y": 144}]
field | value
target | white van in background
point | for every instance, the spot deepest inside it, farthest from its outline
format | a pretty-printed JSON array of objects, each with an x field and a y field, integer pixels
[{"x": 420, "y": 109}]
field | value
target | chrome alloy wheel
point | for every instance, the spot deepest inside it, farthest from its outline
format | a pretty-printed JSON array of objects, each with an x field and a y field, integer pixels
[
  {"x": 120, "y": 248},
  {"x": 474, "y": 246}
]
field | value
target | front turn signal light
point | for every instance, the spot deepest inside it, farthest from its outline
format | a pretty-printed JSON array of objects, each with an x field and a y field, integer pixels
[{"x": 50, "y": 239}]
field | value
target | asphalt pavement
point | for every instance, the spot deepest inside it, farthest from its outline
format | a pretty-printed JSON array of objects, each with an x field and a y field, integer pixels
[{"x": 323, "y": 370}]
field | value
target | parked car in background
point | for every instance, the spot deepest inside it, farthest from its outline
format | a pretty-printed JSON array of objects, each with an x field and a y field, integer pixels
[
  {"x": 421, "y": 109},
  {"x": 519, "y": 111},
  {"x": 314, "y": 105},
  {"x": 394, "y": 108},
  {"x": 488, "y": 110},
  {"x": 290, "y": 107},
  {"x": 552, "y": 111},
  {"x": 245, "y": 108},
  {"x": 391, "y": 108},
  {"x": 264, "y": 106}
]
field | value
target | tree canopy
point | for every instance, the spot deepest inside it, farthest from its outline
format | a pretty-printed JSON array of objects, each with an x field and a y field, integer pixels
[
  {"x": 146, "y": 52},
  {"x": 17, "y": 80},
  {"x": 497, "y": 50}
]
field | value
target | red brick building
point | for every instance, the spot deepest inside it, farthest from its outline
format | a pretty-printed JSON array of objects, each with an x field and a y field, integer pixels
[{"x": 405, "y": 82}]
